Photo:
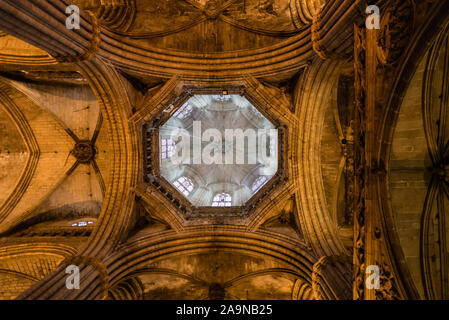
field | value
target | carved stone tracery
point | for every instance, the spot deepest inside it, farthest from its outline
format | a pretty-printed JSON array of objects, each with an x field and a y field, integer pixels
[{"x": 359, "y": 164}]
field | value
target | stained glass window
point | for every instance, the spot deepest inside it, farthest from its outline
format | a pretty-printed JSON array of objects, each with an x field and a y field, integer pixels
[
  {"x": 167, "y": 148},
  {"x": 223, "y": 97},
  {"x": 184, "y": 185},
  {"x": 222, "y": 200}
]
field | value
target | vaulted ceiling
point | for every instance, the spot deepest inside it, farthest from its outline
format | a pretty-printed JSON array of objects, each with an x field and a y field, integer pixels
[{"x": 81, "y": 176}]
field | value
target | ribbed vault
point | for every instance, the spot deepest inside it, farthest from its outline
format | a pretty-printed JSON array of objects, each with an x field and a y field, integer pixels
[{"x": 81, "y": 119}]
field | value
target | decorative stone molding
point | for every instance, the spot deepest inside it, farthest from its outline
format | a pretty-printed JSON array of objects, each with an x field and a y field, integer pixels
[
  {"x": 387, "y": 284},
  {"x": 372, "y": 234},
  {"x": 359, "y": 163},
  {"x": 338, "y": 43},
  {"x": 331, "y": 278},
  {"x": 115, "y": 14},
  {"x": 302, "y": 291},
  {"x": 303, "y": 11},
  {"x": 129, "y": 289},
  {"x": 319, "y": 50}
]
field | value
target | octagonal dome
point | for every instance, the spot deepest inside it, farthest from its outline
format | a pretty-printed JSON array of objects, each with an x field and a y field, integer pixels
[{"x": 218, "y": 150}]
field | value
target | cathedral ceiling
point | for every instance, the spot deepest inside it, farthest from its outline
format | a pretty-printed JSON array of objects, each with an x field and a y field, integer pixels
[
  {"x": 93, "y": 181},
  {"x": 82, "y": 179},
  {"x": 232, "y": 179}
]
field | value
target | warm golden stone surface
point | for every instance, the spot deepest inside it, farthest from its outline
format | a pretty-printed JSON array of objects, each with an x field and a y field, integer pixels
[{"x": 362, "y": 151}]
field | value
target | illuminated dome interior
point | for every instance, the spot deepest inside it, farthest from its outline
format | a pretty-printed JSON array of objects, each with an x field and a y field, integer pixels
[{"x": 222, "y": 183}]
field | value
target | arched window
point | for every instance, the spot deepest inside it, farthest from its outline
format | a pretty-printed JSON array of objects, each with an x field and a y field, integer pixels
[
  {"x": 184, "y": 111},
  {"x": 222, "y": 200},
  {"x": 167, "y": 148},
  {"x": 184, "y": 185},
  {"x": 222, "y": 97},
  {"x": 82, "y": 223},
  {"x": 259, "y": 183}
]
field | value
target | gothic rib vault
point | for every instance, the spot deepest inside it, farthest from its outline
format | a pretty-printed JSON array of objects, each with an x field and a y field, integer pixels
[{"x": 87, "y": 118}]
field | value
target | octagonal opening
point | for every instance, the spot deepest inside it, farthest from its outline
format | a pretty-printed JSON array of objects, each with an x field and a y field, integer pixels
[{"x": 217, "y": 150}]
